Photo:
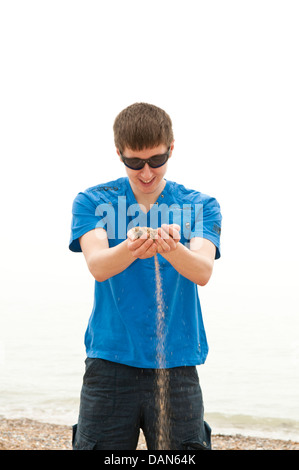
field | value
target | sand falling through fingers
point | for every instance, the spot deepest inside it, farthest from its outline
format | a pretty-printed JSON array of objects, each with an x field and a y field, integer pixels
[{"x": 162, "y": 374}]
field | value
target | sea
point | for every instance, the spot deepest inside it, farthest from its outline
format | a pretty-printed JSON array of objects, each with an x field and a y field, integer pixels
[{"x": 250, "y": 381}]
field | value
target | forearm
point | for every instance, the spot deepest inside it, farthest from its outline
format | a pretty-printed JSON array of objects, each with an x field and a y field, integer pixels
[
  {"x": 193, "y": 265},
  {"x": 108, "y": 262}
]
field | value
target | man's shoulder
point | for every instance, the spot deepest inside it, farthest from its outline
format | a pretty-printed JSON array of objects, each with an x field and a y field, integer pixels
[
  {"x": 189, "y": 195},
  {"x": 111, "y": 187},
  {"x": 105, "y": 192}
]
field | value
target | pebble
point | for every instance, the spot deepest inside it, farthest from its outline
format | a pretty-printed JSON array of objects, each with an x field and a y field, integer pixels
[{"x": 27, "y": 434}]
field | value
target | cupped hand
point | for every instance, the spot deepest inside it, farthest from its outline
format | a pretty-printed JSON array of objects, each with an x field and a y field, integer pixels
[
  {"x": 142, "y": 247},
  {"x": 168, "y": 238}
]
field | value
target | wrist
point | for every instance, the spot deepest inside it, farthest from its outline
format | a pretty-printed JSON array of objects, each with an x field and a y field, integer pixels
[{"x": 129, "y": 252}]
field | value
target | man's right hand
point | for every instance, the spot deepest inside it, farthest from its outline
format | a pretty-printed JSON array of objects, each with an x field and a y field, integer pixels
[{"x": 142, "y": 247}]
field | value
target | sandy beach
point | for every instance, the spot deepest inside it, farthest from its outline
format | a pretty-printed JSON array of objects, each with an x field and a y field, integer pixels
[{"x": 26, "y": 434}]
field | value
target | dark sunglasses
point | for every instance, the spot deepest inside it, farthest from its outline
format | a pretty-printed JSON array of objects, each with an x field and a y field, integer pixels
[{"x": 138, "y": 163}]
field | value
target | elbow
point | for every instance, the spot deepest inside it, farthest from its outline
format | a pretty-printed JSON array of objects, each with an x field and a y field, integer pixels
[
  {"x": 99, "y": 275},
  {"x": 100, "y": 278},
  {"x": 203, "y": 282},
  {"x": 204, "y": 278},
  {"x": 96, "y": 271}
]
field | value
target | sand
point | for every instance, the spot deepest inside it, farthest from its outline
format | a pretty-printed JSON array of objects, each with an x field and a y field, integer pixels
[
  {"x": 162, "y": 374},
  {"x": 27, "y": 434}
]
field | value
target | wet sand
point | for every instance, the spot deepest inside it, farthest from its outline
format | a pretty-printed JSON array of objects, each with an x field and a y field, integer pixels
[{"x": 26, "y": 434}]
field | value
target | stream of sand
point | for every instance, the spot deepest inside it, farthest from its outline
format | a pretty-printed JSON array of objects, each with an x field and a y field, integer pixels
[{"x": 162, "y": 374}]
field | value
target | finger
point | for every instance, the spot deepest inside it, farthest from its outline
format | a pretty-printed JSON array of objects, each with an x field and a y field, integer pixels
[
  {"x": 167, "y": 231},
  {"x": 174, "y": 231},
  {"x": 165, "y": 245},
  {"x": 158, "y": 247},
  {"x": 150, "y": 252},
  {"x": 163, "y": 232},
  {"x": 142, "y": 249},
  {"x": 136, "y": 243}
]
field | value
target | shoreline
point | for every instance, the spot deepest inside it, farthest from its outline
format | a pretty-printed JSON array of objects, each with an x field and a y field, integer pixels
[{"x": 28, "y": 434}]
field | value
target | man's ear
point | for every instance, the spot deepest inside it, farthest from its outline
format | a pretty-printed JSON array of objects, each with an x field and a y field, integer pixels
[
  {"x": 118, "y": 153},
  {"x": 171, "y": 148}
]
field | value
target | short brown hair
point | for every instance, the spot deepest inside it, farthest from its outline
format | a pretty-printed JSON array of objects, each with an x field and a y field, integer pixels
[{"x": 141, "y": 126}]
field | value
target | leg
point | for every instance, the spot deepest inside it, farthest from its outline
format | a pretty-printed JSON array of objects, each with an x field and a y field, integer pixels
[
  {"x": 185, "y": 426},
  {"x": 109, "y": 412}
]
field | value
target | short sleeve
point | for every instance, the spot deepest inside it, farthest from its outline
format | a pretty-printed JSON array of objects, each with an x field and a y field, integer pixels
[
  {"x": 208, "y": 222},
  {"x": 84, "y": 219}
]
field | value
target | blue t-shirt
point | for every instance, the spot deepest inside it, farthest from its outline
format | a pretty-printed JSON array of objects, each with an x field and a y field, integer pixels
[{"x": 123, "y": 323}]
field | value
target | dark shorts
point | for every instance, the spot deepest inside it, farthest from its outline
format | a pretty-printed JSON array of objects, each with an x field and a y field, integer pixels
[{"x": 118, "y": 400}]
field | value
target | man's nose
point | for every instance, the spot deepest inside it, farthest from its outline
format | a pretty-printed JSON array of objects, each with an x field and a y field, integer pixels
[{"x": 146, "y": 170}]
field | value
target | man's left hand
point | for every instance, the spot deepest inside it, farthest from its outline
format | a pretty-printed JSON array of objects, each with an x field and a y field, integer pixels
[{"x": 168, "y": 238}]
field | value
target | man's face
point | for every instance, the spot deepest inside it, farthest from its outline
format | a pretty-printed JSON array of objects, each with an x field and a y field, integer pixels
[{"x": 147, "y": 180}]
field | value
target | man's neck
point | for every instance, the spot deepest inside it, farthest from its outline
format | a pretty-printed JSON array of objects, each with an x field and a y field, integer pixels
[{"x": 147, "y": 200}]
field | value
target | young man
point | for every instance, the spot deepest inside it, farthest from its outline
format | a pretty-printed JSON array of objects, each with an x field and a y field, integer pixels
[{"x": 119, "y": 384}]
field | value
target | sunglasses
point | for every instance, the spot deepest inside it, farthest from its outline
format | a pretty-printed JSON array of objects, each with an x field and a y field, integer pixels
[{"x": 138, "y": 163}]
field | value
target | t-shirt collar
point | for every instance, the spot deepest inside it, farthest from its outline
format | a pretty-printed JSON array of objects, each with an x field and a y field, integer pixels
[{"x": 132, "y": 199}]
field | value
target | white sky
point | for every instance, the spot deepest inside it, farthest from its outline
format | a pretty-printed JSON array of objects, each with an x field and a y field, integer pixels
[{"x": 227, "y": 73}]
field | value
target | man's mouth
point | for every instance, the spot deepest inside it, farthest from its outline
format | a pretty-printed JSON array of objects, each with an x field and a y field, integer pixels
[{"x": 147, "y": 182}]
